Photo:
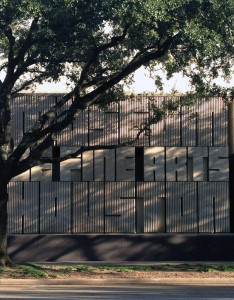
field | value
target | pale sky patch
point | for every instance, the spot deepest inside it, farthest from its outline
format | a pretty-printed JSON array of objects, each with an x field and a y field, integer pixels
[
  {"x": 142, "y": 83},
  {"x": 52, "y": 87}
]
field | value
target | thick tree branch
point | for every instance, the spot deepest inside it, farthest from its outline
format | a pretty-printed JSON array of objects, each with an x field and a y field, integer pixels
[
  {"x": 96, "y": 52},
  {"x": 5, "y": 130},
  {"x": 115, "y": 40},
  {"x": 99, "y": 79},
  {"x": 11, "y": 39},
  {"x": 23, "y": 68},
  {"x": 26, "y": 84},
  {"x": 31, "y": 136},
  {"x": 20, "y": 61},
  {"x": 12, "y": 75},
  {"x": 29, "y": 41},
  {"x": 35, "y": 156},
  {"x": 80, "y": 103},
  {"x": 90, "y": 98}
]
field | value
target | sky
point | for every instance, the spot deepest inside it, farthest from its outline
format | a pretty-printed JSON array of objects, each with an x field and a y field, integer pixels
[{"x": 142, "y": 83}]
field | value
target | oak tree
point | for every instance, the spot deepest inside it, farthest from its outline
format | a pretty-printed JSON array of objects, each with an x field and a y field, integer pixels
[{"x": 97, "y": 44}]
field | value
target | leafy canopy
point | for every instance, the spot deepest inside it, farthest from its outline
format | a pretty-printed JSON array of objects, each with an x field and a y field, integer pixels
[
  {"x": 47, "y": 39},
  {"x": 97, "y": 44}
]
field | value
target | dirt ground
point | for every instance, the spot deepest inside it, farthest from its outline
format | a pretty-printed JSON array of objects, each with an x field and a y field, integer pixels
[
  {"x": 150, "y": 274},
  {"x": 80, "y": 271},
  {"x": 113, "y": 274}
]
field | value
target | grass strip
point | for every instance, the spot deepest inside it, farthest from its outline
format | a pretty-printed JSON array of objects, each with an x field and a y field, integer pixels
[{"x": 33, "y": 270}]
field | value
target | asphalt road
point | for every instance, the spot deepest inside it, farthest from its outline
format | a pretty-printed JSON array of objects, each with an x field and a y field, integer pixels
[{"x": 115, "y": 292}]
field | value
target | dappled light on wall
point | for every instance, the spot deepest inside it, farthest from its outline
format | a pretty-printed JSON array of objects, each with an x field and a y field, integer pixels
[{"x": 173, "y": 179}]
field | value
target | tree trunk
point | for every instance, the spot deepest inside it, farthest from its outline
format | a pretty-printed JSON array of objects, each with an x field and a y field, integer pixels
[{"x": 4, "y": 258}]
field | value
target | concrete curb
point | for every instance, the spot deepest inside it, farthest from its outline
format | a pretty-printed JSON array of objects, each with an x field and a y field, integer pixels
[
  {"x": 134, "y": 263},
  {"x": 121, "y": 281}
]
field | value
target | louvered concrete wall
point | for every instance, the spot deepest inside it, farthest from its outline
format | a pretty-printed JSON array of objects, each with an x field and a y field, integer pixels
[
  {"x": 203, "y": 124},
  {"x": 183, "y": 185},
  {"x": 110, "y": 207}
]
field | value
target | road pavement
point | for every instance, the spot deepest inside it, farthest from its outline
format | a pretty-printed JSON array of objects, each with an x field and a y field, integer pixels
[
  {"x": 35, "y": 289},
  {"x": 116, "y": 292}
]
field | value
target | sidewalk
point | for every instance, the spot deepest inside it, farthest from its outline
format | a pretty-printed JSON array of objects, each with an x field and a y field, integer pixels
[{"x": 120, "y": 282}]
